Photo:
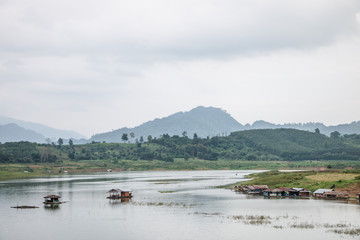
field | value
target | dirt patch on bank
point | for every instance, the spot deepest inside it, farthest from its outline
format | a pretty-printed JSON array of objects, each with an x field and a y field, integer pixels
[{"x": 353, "y": 190}]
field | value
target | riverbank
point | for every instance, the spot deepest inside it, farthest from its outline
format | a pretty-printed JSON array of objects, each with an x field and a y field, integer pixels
[
  {"x": 342, "y": 180},
  {"x": 21, "y": 171}
]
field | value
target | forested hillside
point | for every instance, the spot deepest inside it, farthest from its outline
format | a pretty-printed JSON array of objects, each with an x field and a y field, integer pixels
[{"x": 265, "y": 145}]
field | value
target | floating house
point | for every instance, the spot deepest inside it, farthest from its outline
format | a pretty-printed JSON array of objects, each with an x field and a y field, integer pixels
[
  {"x": 274, "y": 192},
  {"x": 241, "y": 188},
  {"x": 320, "y": 192},
  {"x": 119, "y": 194},
  {"x": 336, "y": 195},
  {"x": 286, "y": 192},
  {"x": 253, "y": 189},
  {"x": 298, "y": 192},
  {"x": 52, "y": 200}
]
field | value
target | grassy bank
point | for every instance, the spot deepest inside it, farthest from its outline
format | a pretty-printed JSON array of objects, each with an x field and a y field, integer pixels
[
  {"x": 343, "y": 180},
  {"x": 30, "y": 170}
]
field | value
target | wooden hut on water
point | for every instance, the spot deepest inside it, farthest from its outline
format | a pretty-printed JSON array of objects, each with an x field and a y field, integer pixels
[
  {"x": 336, "y": 195},
  {"x": 298, "y": 192},
  {"x": 52, "y": 200},
  {"x": 320, "y": 192},
  {"x": 286, "y": 192},
  {"x": 274, "y": 192},
  {"x": 255, "y": 189},
  {"x": 119, "y": 194},
  {"x": 251, "y": 189}
]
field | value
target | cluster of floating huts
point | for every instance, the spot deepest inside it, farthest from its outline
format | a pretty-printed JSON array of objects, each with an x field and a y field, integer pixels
[{"x": 291, "y": 192}]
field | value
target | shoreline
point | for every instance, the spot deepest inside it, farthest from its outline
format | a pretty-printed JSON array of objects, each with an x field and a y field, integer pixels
[{"x": 341, "y": 180}]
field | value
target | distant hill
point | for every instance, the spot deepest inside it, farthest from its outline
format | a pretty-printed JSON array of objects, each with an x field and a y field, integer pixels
[
  {"x": 350, "y": 128},
  {"x": 204, "y": 121},
  {"x": 210, "y": 121},
  {"x": 293, "y": 144},
  {"x": 13, "y": 133},
  {"x": 45, "y": 131}
]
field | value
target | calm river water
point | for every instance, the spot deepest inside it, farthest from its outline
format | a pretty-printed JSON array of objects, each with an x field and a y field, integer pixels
[{"x": 166, "y": 205}]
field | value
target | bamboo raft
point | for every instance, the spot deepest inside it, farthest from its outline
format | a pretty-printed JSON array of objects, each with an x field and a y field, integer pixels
[{"x": 24, "y": 207}]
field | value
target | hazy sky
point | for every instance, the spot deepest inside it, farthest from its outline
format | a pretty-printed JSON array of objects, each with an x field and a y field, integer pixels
[{"x": 94, "y": 66}]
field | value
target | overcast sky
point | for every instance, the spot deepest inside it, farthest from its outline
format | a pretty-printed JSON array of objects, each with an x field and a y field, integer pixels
[{"x": 94, "y": 66}]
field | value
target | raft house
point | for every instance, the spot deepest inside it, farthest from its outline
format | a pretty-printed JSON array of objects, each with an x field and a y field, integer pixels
[
  {"x": 251, "y": 189},
  {"x": 119, "y": 194},
  {"x": 52, "y": 200},
  {"x": 287, "y": 192},
  {"x": 320, "y": 192},
  {"x": 336, "y": 195}
]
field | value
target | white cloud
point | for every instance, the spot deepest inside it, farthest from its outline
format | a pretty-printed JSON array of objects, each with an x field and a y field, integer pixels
[{"x": 121, "y": 63}]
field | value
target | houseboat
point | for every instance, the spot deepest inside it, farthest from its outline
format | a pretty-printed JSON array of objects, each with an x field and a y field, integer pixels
[
  {"x": 286, "y": 192},
  {"x": 298, "y": 192},
  {"x": 320, "y": 192},
  {"x": 274, "y": 192},
  {"x": 119, "y": 194},
  {"x": 52, "y": 200},
  {"x": 336, "y": 195},
  {"x": 253, "y": 189}
]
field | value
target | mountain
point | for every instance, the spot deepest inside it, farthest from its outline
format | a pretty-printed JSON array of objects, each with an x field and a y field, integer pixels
[
  {"x": 204, "y": 121},
  {"x": 13, "y": 133},
  {"x": 47, "y": 132},
  {"x": 210, "y": 121}
]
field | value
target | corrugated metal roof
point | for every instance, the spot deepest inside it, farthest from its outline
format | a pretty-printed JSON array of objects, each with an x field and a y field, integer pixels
[{"x": 322, "y": 190}]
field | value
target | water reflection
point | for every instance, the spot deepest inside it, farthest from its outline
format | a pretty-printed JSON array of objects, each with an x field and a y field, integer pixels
[
  {"x": 51, "y": 207},
  {"x": 120, "y": 201}
]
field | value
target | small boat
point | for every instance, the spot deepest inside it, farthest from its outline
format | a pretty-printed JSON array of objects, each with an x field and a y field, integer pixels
[
  {"x": 119, "y": 194},
  {"x": 24, "y": 207},
  {"x": 52, "y": 200}
]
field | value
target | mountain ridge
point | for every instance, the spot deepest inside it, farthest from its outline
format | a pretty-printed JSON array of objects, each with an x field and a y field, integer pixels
[
  {"x": 204, "y": 121},
  {"x": 14, "y": 133},
  {"x": 46, "y": 131}
]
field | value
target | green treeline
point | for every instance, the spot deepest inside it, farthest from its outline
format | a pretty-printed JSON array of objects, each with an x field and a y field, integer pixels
[{"x": 251, "y": 145}]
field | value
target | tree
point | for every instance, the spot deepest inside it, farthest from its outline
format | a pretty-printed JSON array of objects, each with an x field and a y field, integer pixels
[
  {"x": 335, "y": 134},
  {"x": 149, "y": 138},
  {"x": 196, "y": 139},
  {"x": 71, "y": 143},
  {"x": 132, "y": 135},
  {"x": 317, "y": 131},
  {"x": 141, "y": 139},
  {"x": 184, "y": 134},
  {"x": 124, "y": 137},
  {"x": 60, "y": 142}
]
